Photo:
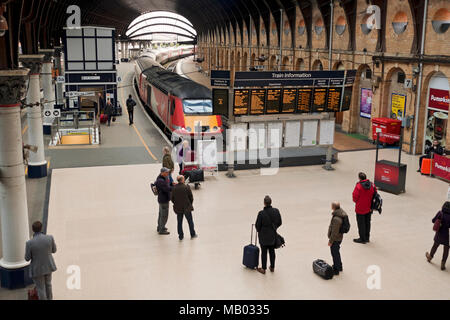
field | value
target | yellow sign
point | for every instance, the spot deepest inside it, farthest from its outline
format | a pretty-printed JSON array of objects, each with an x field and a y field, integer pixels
[{"x": 398, "y": 103}]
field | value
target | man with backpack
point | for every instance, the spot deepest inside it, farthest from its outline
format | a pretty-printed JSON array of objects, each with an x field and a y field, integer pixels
[
  {"x": 164, "y": 189},
  {"x": 130, "y": 107},
  {"x": 362, "y": 197},
  {"x": 338, "y": 226}
]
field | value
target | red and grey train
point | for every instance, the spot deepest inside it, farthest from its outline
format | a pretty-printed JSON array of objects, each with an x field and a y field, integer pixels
[{"x": 183, "y": 106}]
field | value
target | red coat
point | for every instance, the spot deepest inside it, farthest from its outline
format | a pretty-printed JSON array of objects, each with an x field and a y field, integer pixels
[{"x": 362, "y": 196}]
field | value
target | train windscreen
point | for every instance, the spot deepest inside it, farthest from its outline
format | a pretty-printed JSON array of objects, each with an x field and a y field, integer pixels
[{"x": 197, "y": 106}]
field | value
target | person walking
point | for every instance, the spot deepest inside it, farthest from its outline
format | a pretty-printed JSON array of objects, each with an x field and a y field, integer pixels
[
  {"x": 163, "y": 186},
  {"x": 168, "y": 162},
  {"x": 362, "y": 197},
  {"x": 130, "y": 108},
  {"x": 101, "y": 103},
  {"x": 109, "y": 111},
  {"x": 335, "y": 236},
  {"x": 39, "y": 251},
  {"x": 183, "y": 154},
  {"x": 183, "y": 199},
  {"x": 267, "y": 223},
  {"x": 442, "y": 234}
]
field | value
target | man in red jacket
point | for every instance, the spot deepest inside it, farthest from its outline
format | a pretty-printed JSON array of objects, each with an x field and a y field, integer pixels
[{"x": 362, "y": 197}]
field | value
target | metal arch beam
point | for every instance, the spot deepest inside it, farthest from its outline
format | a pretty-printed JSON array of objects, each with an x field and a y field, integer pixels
[
  {"x": 164, "y": 32},
  {"x": 161, "y": 24},
  {"x": 160, "y": 17}
]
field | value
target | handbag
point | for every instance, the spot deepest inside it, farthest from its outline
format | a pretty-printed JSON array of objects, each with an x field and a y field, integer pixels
[{"x": 437, "y": 224}]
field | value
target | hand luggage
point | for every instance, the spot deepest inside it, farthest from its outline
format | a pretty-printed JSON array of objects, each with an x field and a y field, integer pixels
[
  {"x": 196, "y": 175},
  {"x": 118, "y": 111},
  {"x": 251, "y": 253},
  {"x": 103, "y": 118},
  {"x": 32, "y": 294},
  {"x": 323, "y": 269}
]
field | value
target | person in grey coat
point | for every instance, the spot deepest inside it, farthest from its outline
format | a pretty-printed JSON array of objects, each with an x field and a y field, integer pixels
[
  {"x": 267, "y": 223},
  {"x": 39, "y": 251}
]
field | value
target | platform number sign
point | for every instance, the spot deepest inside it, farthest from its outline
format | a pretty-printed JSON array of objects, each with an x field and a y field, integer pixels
[{"x": 408, "y": 83}]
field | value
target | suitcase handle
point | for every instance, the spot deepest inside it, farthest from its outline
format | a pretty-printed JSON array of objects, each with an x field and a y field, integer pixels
[{"x": 251, "y": 237}]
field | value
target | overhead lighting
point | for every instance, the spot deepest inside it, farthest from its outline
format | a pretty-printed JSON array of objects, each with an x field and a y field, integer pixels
[{"x": 3, "y": 22}]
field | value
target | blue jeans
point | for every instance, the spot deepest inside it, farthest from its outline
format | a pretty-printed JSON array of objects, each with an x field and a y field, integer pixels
[
  {"x": 190, "y": 221},
  {"x": 337, "y": 263}
]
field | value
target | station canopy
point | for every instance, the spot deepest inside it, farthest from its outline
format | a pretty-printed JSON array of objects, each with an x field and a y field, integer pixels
[{"x": 161, "y": 26}]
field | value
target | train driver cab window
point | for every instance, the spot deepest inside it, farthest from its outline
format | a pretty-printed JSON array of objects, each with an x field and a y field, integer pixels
[
  {"x": 172, "y": 107},
  {"x": 191, "y": 106}
]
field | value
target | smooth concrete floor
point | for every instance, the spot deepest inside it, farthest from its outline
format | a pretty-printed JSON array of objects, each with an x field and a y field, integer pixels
[{"x": 104, "y": 221}]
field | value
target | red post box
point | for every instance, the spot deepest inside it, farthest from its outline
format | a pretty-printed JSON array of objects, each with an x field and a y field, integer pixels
[{"x": 389, "y": 129}]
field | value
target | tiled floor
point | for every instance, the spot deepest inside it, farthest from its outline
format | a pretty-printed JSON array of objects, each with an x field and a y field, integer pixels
[{"x": 104, "y": 221}]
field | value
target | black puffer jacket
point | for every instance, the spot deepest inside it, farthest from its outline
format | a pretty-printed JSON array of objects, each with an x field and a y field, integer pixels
[{"x": 267, "y": 222}]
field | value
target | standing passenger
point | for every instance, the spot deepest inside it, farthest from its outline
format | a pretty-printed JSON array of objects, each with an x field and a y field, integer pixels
[
  {"x": 39, "y": 250},
  {"x": 362, "y": 197},
  {"x": 183, "y": 199},
  {"x": 442, "y": 235},
  {"x": 267, "y": 223},
  {"x": 164, "y": 189},
  {"x": 130, "y": 108},
  {"x": 109, "y": 111},
  {"x": 183, "y": 153},
  {"x": 335, "y": 236},
  {"x": 168, "y": 162}
]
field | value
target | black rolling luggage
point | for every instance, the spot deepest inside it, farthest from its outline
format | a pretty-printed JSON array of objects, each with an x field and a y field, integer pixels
[
  {"x": 118, "y": 111},
  {"x": 323, "y": 269},
  {"x": 196, "y": 175},
  {"x": 251, "y": 253}
]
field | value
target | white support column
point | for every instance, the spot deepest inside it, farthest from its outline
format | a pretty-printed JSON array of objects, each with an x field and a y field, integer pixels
[
  {"x": 59, "y": 85},
  {"x": 37, "y": 165},
  {"x": 13, "y": 198},
  {"x": 46, "y": 80}
]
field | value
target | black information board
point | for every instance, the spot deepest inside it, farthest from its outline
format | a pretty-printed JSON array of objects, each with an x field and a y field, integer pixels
[
  {"x": 257, "y": 101},
  {"x": 289, "y": 100},
  {"x": 319, "y": 100},
  {"x": 304, "y": 100},
  {"x": 334, "y": 99},
  {"x": 273, "y": 101},
  {"x": 220, "y": 102},
  {"x": 241, "y": 102},
  {"x": 347, "y": 98}
]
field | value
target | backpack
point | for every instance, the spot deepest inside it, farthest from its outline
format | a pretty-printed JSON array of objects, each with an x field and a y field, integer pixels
[
  {"x": 345, "y": 226},
  {"x": 154, "y": 189},
  {"x": 377, "y": 202}
]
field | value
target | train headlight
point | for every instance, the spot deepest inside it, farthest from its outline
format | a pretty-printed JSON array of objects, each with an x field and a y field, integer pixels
[
  {"x": 215, "y": 128},
  {"x": 188, "y": 129}
]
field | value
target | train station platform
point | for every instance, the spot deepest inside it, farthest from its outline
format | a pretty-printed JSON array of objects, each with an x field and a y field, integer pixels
[{"x": 104, "y": 222}]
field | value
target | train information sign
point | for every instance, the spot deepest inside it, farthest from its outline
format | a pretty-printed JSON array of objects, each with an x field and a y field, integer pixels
[
  {"x": 334, "y": 99},
  {"x": 319, "y": 102},
  {"x": 258, "y": 101},
  {"x": 289, "y": 100},
  {"x": 220, "y": 102},
  {"x": 273, "y": 101},
  {"x": 304, "y": 100},
  {"x": 241, "y": 102}
]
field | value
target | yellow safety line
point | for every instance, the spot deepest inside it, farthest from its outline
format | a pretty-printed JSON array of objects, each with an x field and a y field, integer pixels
[
  {"x": 24, "y": 129},
  {"x": 143, "y": 142}
]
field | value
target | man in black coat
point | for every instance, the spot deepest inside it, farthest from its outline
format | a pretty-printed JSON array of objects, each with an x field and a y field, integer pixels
[
  {"x": 130, "y": 108},
  {"x": 267, "y": 223},
  {"x": 183, "y": 199},
  {"x": 435, "y": 148},
  {"x": 164, "y": 189}
]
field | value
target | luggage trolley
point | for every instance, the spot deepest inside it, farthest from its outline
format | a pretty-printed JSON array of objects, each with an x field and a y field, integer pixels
[{"x": 192, "y": 171}]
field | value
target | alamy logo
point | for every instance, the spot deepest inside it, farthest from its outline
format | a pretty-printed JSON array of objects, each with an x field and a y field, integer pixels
[
  {"x": 374, "y": 280},
  {"x": 74, "y": 21},
  {"x": 374, "y": 17}
]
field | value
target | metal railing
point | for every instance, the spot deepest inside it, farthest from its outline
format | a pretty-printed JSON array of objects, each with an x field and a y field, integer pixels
[{"x": 76, "y": 123}]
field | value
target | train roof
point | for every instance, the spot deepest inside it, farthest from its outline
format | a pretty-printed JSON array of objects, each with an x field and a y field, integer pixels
[{"x": 173, "y": 83}]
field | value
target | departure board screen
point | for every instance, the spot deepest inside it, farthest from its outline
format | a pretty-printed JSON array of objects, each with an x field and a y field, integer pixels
[
  {"x": 334, "y": 99},
  {"x": 220, "y": 102},
  {"x": 258, "y": 101},
  {"x": 289, "y": 100},
  {"x": 347, "y": 98},
  {"x": 304, "y": 100},
  {"x": 319, "y": 100},
  {"x": 241, "y": 102},
  {"x": 273, "y": 101}
]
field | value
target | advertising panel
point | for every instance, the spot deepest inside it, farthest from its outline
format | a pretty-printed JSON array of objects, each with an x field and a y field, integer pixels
[
  {"x": 386, "y": 173},
  {"x": 366, "y": 103},
  {"x": 398, "y": 103},
  {"x": 437, "y": 116},
  {"x": 441, "y": 167}
]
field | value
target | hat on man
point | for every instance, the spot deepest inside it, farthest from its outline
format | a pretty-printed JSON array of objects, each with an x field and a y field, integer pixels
[{"x": 164, "y": 169}]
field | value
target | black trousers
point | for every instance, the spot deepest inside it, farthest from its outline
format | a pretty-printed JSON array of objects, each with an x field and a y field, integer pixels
[
  {"x": 264, "y": 250},
  {"x": 364, "y": 226},
  {"x": 190, "y": 221},
  {"x": 335, "y": 253},
  {"x": 435, "y": 247},
  {"x": 131, "y": 115},
  {"x": 421, "y": 159}
]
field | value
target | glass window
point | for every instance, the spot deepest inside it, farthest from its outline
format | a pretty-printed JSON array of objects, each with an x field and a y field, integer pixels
[{"x": 191, "y": 106}]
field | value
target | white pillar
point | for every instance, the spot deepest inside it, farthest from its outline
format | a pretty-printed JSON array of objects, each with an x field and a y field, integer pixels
[
  {"x": 46, "y": 80},
  {"x": 37, "y": 165},
  {"x": 59, "y": 85},
  {"x": 13, "y": 197}
]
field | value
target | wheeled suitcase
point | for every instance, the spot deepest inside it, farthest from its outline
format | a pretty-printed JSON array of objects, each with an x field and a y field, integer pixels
[
  {"x": 323, "y": 269},
  {"x": 103, "y": 118},
  {"x": 195, "y": 175},
  {"x": 251, "y": 253}
]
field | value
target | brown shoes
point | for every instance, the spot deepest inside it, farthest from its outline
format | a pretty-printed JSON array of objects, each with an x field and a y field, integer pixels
[
  {"x": 442, "y": 265},
  {"x": 261, "y": 270},
  {"x": 272, "y": 269},
  {"x": 429, "y": 257}
]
